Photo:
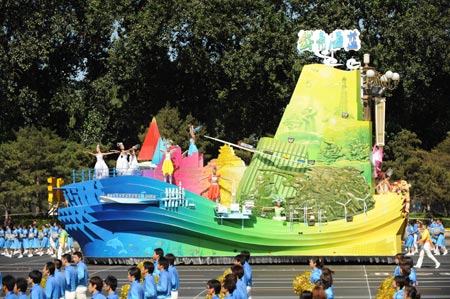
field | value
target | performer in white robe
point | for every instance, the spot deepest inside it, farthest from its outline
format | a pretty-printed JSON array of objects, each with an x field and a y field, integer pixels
[
  {"x": 122, "y": 163},
  {"x": 101, "y": 169}
]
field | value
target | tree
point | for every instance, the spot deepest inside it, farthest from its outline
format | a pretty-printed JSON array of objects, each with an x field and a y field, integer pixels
[
  {"x": 427, "y": 171},
  {"x": 29, "y": 160}
]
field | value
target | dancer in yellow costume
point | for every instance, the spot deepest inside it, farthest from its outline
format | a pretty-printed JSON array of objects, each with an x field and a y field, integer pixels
[{"x": 167, "y": 167}]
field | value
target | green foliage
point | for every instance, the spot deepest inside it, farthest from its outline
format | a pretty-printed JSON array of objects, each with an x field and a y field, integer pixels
[
  {"x": 97, "y": 71},
  {"x": 29, "y": 160},
  {"x": 427, "y": 171}
]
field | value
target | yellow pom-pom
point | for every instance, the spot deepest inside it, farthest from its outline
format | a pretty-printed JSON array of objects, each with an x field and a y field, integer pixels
[
  {"x": 225, "y": 273},
  {"x": 301, "y": 283},
  {"x": 386, "y": 291},
  {"x": 44, "y": 279},
  {"x": 124, "y": 291}
]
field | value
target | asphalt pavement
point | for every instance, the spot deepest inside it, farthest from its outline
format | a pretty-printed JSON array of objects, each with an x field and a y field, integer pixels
[{"x": 355, "y": 281}]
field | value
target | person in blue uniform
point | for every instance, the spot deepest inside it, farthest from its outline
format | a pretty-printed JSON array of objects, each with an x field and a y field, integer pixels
[
  {"x": 175, "y": 281},
  {"x": 316, "y": 265},
  {"x": 33, "y": 236},
  {"x": 110, "y": 285},
  {"x": 2, "y": 240},
  {"x": 136, "y": 289},
  {"x": 9, "y": 239},
  {"x": 95, "y": 287},
  {"x": 164, "y": 286},
  {"x": 213, "y": 288},
  {"x": 440, "y": 243},
  {"x": 60, "y": 277},
  {"x": 409, "y": 244},
  {"x": 398, "y": 284},
  {"x": 52, "y": 288},
  {"x": 157, "y": 254},
  {"x": 228, "y": 286},
  {"x": 34, "y": 280},
  {"x": 398, "y": 259},
  {"x": 8, "y": 283},
  {"x": 25, "y": 240},
  {"x": 326, "y": 279},
  {"x": 20, "y": 288},
  {"x": 70, "y": 277},
  {"x": 248, "y": 275},
  {"x": 82, "y": 274},
  {"x": 241, "y": 289},
  {"x": 44, "y": 241},
  {"x": 149, "y": 280},
  {"x": 407, "y": 270},
  {"x": 16, "y": 245}
]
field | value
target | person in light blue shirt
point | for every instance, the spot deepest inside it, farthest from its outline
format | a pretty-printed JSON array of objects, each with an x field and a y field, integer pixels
[
  {"x": 110, "y": 285},
  {"x": 82, "y": 274},
  {"x": 8, "y": 283},
  {"x": 20, "y": 289},
  {"x": 60, "y": 277},
  {"x": 248, "y": 275},
  {"x": 70, "y": 277},
  {"x": 149, "y": 280},
  {"x": 95, "y": 287},
  {"x": 164, "y": 287},
  {"x": 34, "y": 279},
  {"x": 52, "y": 288},
  {"x": 175, "y": 280},
  {"x": 157, "y": 254},
  {"x": 399, "y": 284},
  {"x": 228, "y": 286},
  {"x": 213, "y": 288},
  {"x": 241, "y": 289},
  {"x": 326, "y": 280},
  {"x": 136, "y": 289},
  {"x": 316, "y": 265}
]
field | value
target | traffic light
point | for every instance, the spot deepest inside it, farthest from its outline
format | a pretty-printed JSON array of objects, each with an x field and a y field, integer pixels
[
  {"x": 59, "y": 193},
  {"x": 51, "y": 185}
]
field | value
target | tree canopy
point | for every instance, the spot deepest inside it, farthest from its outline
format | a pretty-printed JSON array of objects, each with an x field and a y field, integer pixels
[{"x": 92, "y": 71}]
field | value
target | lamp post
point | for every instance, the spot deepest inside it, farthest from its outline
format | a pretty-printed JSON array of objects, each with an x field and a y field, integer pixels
[{"x": 375, "y": 86}]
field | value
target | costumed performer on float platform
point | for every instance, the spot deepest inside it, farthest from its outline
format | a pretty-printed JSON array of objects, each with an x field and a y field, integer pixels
[
  {"x": 192, "y": 147},
  {"x": 214, "y": 187},
  {"x": 133, "y": 165},
  {"x": 122, "y": 164},
  {"x": 167, "y": 167},
  {"x": 278, "y": 208},
  {"x": 101, "y": 169}
]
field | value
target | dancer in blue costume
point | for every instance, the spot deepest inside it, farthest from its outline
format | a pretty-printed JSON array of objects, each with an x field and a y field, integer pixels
[
  {"x": 192, "y": 147},
  {"x": 440, "y": 243},
  {"x": 2, "y": 240},
  {"x": 25, "y": 240},
  {"x": 409, "y": 244},
  {"x": 9, "y": 239},
  {"x": 34, "y": 236},
  {"x": 16, "y": 245},
  {"x": 45, "y": 243}
]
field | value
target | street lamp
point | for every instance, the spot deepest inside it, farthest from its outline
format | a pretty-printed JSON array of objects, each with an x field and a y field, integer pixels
[{"x": 376, "y": 86}]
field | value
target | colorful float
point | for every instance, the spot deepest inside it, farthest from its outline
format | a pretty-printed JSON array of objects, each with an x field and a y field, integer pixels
[{"x": 308, "y": 191}]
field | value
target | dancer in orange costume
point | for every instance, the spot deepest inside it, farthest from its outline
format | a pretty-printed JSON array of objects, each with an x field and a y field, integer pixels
[{"x": 214, "y": 188}]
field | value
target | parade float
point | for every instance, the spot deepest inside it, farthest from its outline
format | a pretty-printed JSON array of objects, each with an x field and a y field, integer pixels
[{"x": 310, "y": 190}]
